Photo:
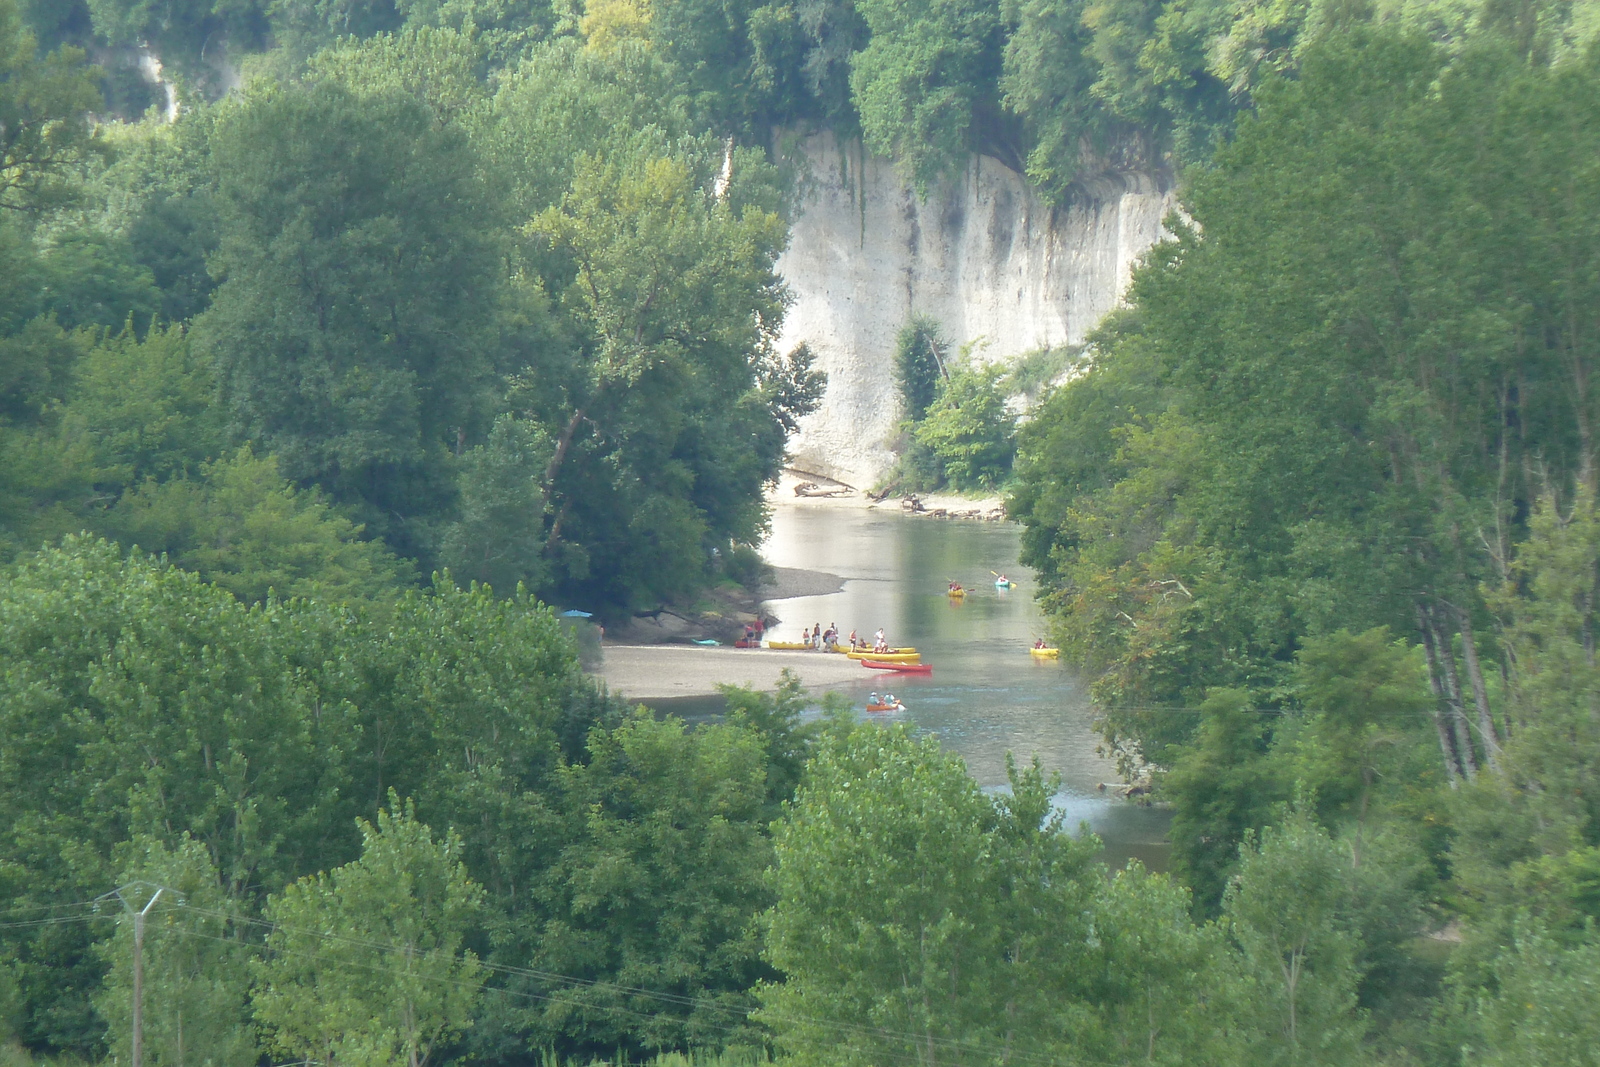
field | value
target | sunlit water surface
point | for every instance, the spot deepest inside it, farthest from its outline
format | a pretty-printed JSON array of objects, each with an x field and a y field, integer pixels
[{"x": 987, "y": 695}]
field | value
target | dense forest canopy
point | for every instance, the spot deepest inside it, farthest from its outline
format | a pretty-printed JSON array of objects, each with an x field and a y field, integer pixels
[
  {"x": 379, "y": 313},
  {"x": 389, "y": 298},
  {"x": 1319, "y": 515}
]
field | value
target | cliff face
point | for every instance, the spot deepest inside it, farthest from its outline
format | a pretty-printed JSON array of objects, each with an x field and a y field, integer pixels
[{"x": 982, "y": 256}]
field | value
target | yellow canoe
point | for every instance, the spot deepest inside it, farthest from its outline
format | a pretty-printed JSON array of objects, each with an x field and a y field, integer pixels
[
  {"x": 956, "y": 594},
  {"x": 887, "y": 657},
  {"x": 867, "y": 653},
  {"x": 1046, "y": 653},
  {"x": 788, "y": 646}
]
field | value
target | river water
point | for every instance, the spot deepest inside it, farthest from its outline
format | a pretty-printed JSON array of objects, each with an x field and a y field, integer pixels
[{"x": 987, "y": 695}]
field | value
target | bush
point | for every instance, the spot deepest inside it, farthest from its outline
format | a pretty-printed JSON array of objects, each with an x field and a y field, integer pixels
[
  {"x": 743, "y": 564},
  {"x": 969, "y": 429}
]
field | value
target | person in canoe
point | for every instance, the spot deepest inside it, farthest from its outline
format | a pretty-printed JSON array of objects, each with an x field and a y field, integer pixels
[
  {"x": 955, "y": 589},
  {"x": 1039, "y": 643}
]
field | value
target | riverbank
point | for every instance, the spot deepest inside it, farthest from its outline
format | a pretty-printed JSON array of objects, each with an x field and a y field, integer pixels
[
  {"x": 789, "y": 582},
  {"x": 659, "y": 672},
  {"x": 840, "y": 495}
]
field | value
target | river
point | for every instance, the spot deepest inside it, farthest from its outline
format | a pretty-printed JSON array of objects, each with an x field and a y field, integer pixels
[{"x": 987, "y": 695}]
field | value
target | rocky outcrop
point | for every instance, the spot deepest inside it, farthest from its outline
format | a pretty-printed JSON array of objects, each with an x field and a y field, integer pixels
[{"x": 982, "y": 255}]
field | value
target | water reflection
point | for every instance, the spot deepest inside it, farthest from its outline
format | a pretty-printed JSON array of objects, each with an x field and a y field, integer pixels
[{"x": 987, "y": 696}]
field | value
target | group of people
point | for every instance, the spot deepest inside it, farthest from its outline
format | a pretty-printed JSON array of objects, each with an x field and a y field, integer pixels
[
  {"x": 889, "y": 701},
  {"x": 826, "y": 640},
  {"x": 818, "y": 638}
]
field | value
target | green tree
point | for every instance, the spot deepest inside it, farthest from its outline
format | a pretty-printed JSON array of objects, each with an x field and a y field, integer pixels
[
  {"x": 143, "y": 409},
  {"x": 196, "y": 962},
  {"x": 241, "y": 526},
  {"x": 1222, "y": 787},
  {"x": 45, "y": 102},
  {"x": 1528, "y": 839},
  {"x": 1047, "y": 76},
  {"x": 969, "y": 430},
  {"x": 1169, "y": 986},
  {"x": 365, "y": 964},
  {"x": 1288, "y": 911},
  {"x": 880, "y": 868},
  {"x": 672, "y": 289},
  {"x": 1248, "y": 511},
  {"x": 43, "y": 485},
  {"x": 742, "y": 62},
  {"x": 925, "y": 82},
  {"x": 157, "y": 193},
  {"x": 436, "y": 67},
  {"x": 775, "y": 718},
  {"x": 653, "y": 892},
  {"x": 505, "y": 29},
  {"x": 1366, "y": 694},
  {"x": 834, "y": 31},
  {"x": 175, "y": 699},
  {"x": 1542, "y": 1007},
  {"x": 303, "y": 27},
  {"x": 499, "y": 539},
  {"x": 355, "y": 327},
  {"x": 919, "y": 365},
  {"x": 564, "y": 102},
  {"x": 916, "y": 918},
  {"x": 91, "y": 278}
]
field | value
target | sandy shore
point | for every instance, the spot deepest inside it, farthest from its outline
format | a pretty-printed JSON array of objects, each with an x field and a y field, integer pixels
[
  {"x": 653, "y": 672},
  {"x": 783, "y": 495},
  {"x": 797, "y": 581}
]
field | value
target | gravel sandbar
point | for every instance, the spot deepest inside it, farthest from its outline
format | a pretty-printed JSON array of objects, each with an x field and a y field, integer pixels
[
  {"x": 797, "y": 581},
  {"x": 655, "y": 672}
]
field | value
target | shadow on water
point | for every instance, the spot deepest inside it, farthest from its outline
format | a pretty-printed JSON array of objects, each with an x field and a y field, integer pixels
[{"x": 987, "y": 695}]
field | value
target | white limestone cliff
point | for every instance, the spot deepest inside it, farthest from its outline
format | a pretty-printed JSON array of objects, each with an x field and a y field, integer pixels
[{"x": 982, "y": 255}]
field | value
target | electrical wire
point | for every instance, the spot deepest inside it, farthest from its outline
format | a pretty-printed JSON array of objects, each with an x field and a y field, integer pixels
[{"x": 836, "y": 1026}]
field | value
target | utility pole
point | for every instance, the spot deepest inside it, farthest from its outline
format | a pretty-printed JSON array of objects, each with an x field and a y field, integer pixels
[{"x": 122, "y": 893}]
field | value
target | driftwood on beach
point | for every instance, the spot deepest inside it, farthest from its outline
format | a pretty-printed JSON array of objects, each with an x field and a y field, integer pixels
[{"x": 812, "y": 489}]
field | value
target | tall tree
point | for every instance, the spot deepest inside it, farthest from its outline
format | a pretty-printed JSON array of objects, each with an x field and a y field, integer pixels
[
  {"x": 1287, "y": 910},
  {"x": 924, "y": 85},
  {"x": 916, "y": 919},
  {"x": 664, "y": 431},
  {"x": 355, "y": 327},
  {"x": 365, "y": 963},
  {"x": 45, "y": 102}
]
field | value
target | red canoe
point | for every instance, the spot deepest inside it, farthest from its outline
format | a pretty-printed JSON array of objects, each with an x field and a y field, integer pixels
[{"x": 904, "y": 668}]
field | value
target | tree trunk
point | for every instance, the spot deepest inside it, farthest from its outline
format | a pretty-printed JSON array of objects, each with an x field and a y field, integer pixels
[
  {"x": 1447, "y": 747},
  {"x": 1452, "y": 689},
  {"x": 562, "y": 444},
  {"x": 1480, "y": 692}
]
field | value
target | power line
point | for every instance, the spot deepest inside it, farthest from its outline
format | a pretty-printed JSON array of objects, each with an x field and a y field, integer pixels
[{"x": 854, "y": 1029}]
